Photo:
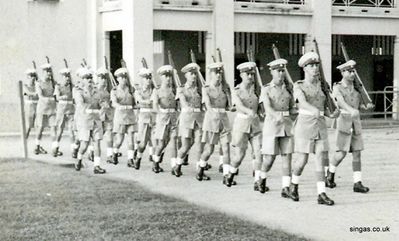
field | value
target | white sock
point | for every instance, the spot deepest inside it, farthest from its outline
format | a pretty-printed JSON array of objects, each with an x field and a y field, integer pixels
[
  {"x": 90, "y": 148},
  {"x": 97, "y": 161},
  {"x": 233, "y": 169},
  {"x": 179, "y": 160},
  {"x": 74, "y": 146},
  {"x": 37, "y": 141},
  {"x": 295, "y": 179},
  {"x": 116, "y": 150},
  {"x": 325, "y": 170},
  {"x": 155, "y": 158},
  {"x": 109, "y": 151},
  {"x": 130, "y": 154},
  {"x": 221, "y": 160},
  {"x": 172, "y": 162},
  {"x": 321, "y": 187},
  {"x": 332, "y": 168},
  {"x": 253, "y": 163},
  {"x": 202, "y": 163},
  {"x": 357, "y": 177},
  {"x": 286, "y": 180},
  {"x": 139, "y": 154},
  {"x": 257, "y": 175},
  {"x": 80, "y": 156},
  {"x": 55, "y": 144},
  {"x": 263, "y": 175},
  {"x": 226, "y": 169},
  {"x": 151, "y": 150}
]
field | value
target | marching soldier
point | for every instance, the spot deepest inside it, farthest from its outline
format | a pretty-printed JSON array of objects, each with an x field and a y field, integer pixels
[
  {"x": 310, "y": 131},
  {"x": 31, "y": 98},
  {"x": 122, "y": 98},
  {"x": 76, "y": 91},
  {"x": 146, "y": 116},
  {"x": 216, "y": 126},
  {"x": 90, "y": 127},
  {"x": 164, "y": 102},
  {"x": 65, "y": 109},
  {"x": 277, "y": 128},
  {"x": 46, "y": 107},
  {"x": 349, "y": 129},
  {"x": 246, "y": 126},
  {"x": 191, "y": 116},
  {"x": 104, "y": 86}
]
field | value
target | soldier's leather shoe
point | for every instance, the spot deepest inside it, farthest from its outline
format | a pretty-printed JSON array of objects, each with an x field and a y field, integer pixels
[
  {"x": 78, "y": 165},
  {"x": 150, "y": 158},
  {"x": 75, "y": 153},
  {"x": 330, "y": 179},
  {"x": 155, "y": 167},
  {"x": 137, "y": 163},
  {"x": 324, "y": 199},
  {"x": 98, "y": 170},
  {"x": 114, "y": 159},
  {"x": 221, "y": 168},
  {"x": 285, "y": 192},
  {"x": 185, "y": 161},
  {"x": 41, "y": 150},
  {"x": 293, "y": 192},
  {"x": 176, "y": 171},
  {"x": 262, "y": 185},
  {"x": 207, "y": 167},
  {"x": 358, "y": 187},
  {"x": 56, "y": 152},
  {"x": 256, "y": 186},
  {"x": 119, "y": 154},
  {"x": 37, "y": 150},
  {"x": 201, "y": 175},
  {"x": 130, "y": 163},
  {"x": 230, "y": 179}
]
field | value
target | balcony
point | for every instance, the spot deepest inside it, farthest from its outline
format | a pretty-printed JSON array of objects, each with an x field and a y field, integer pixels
[
  {"x": 111, "y": 5},
  {"x": 195, "y": 5},
  {"x": 365, "y": 3},
  {"x": 273, "y": 6},
  {"x": 365, "y": 8}
]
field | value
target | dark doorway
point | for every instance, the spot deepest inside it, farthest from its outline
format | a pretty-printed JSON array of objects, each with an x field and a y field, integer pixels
[
  {"x": 115, "y": 49},
  {"x": 335, "y": 73},
  {"x": 383, "y": 77}
]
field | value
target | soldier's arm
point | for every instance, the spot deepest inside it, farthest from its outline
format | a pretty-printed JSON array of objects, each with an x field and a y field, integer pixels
[
  {"x": 39, "y": 91},
  {"x": 205, "y": 99},
  {"x": 114, "y": 100},
  {"x": 28, "y": 92},
  {"x": 300, "y": 98},
  {"x": 342, "y": 103},
  {"x": 240, "y": 106},
  {"x": 268, "y": 106},
  {"x": 180, "y": 96},
  {"x": 155, "y": 99}
]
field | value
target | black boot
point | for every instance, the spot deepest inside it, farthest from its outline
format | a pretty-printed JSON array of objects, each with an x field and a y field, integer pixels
[
  {"x": 155, "y": 167},
  {"x": 137, "y": 163},
  {"x": 56, "y": 152},
  {"x": 221, "y": 168},
  {"x": 75, "y": 153},
  {"x": 256, "y": 186},
  {"x": 130, "y": 163},
  {"x": 285, "y": 192},
  {"x": 176, "y": 170},
  {"x": 42, "y": 151},
  {"x": 262, "y": 185},
  {"x": 229, "y": 179},
  {"x": 201, "y": 175},
  {"x": 330, "y": 179},
  {"x": 207, "y": 167},
  {"x": 98, "y": 170},
  {"x": 293, "y": 192},
  {"x": 324, "y": 199},
  {"x": 37, "y": 150},
  {"x": 114, "y": 159},
  {"x": 78, "y": 165},
  {"x": 358, "y": 187}
]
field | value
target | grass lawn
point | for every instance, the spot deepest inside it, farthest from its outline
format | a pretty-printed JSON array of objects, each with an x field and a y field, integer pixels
[{"x": 46, "y": 202}]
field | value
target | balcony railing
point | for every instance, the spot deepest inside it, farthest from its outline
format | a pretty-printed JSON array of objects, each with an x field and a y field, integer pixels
[
  {"x": 183, "y": 3},
  {"x": 300, "y": 2},
  {"x": 365, "y": 3}
]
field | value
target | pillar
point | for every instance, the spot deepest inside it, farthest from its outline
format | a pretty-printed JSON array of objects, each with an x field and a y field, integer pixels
[
  {"x": 395, "y": 107},
  {"x": 94, "y": 34}
]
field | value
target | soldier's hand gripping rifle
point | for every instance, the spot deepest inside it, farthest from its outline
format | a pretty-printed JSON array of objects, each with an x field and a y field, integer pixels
[
  {"x": 52, "y": 75},
  {"x": 258, "y": 83},
  {"x": 325, "y": 87},
  {"x": 111, "y": 78},
  {"x": 129, "y": 84},
  {"x": 289, "y": 84},
  {"x": 145, "y": 65},
  {"x": 70, "y": 76},
  {"x": 175, "y": 75},
  {"x": 193, "y": 60},
  {"x": 358, "y": 84},
  {"x": 225, "y": 84}
]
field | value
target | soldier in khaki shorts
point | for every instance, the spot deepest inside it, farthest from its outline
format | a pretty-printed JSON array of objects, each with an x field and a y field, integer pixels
[
  {"x": 46, "y": 107},
  {"x": 65, "y": 109},
  {"x": 310, "y": 129},
  {"x": 164, "y": 102},
  {"x": 90, "y": 127},
  {"x": 191, "y": 116},
  {"x": 349, "y": 130},
  {"x": 146, "y": 116},
  {"x": 277, "y": 128},
  {"x": 216, "y": 125},
  {"x": 122, "y": 98},
  {"x": 246, "y": 126},
  {"x": 31, "y": 98}
]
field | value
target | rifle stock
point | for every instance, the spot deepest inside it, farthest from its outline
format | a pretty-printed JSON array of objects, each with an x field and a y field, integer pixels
[
  {"x": 52, "y": 74},
  {"x": 226, "y": 86},
  {"x": 111, "y": 78},
  {"x": 193, "y": 60},
  {"x": 175, "y": 75}
]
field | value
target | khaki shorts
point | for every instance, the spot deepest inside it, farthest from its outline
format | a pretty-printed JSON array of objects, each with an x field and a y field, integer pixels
[
  {"x": 310, "y": 145},
  {"x": 348, "y": 142},
  {"x": 122, "y": 128},
  {"x": 277, "y": 145},
  {"x": 241, "y": 139},
  {"x": 96, "y": 134},
  {"x": 213, "y": 137},
  {"x": 64, "y": 120},
  {"x": 145, "y": 131},
  {"x": 185, "y": 132},
  {"x": 45, "y": 120},
  {"x": 165, "y": 132}
]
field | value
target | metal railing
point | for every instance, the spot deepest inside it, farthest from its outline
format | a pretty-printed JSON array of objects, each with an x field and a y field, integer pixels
[
  {"x": 365, "y": 3},
  {"x": 300, "y": 2},
  {"x": 388, "y": 97},
  {"x": 183, "y": 2}
]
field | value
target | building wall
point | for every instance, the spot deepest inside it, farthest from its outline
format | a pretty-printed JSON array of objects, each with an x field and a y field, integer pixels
[{"x": 30, "y": 30}]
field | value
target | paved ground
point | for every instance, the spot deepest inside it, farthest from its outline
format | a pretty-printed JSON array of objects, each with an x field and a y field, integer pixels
[{"x": 379, "y": 208}]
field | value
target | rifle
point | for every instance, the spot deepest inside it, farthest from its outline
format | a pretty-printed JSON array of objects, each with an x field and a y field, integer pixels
[
  {"x": 85, "y": 63},
  {"x": 70, "y": 76},
  {"x": 145, "y": 65},
  {"x": 225, "y": 84},
  {"x": 193, "y": 60},
  {"x": 325, "y": 87},
  {"x": 175, "y": 75},
  {"x": 110, "y": 76},
  {"x": 358, "y": 84},
  {"x": 34, "y": 67},
  {"x": 123, "y": 64},
  {"x": 258, "y": 83},
  {"x": 289, "y": 84},
  {"x": 51, "y": 76}
]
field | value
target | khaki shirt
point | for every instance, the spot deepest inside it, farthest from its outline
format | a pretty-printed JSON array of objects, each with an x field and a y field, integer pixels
[
  {"x": 166, "y": 99},
  {"x": 250, "y": 100},
  {"x": 64, "y": 106},
  {"x": 89, "y": 101},
  {"x": 124, "y": 98},
  {"x": 191, "y": 112},
  {"x": 144, "y": 116},
  {"x": 345, "y": 122},
  {"x": 213, "y": 120},
  {"x": 107, "y": 114},
  {"x": 280, "y": 100},
  {"x": 46, "y": 104},
  {"x": 308, "y": 126},
  {"x": 31, "y": 92}
]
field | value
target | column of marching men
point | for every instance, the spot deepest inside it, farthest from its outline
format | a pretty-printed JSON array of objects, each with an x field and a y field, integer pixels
[{"x": 156, "y": 116}]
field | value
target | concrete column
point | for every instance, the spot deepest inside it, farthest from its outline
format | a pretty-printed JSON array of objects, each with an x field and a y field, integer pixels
[
  {"x": 209, "y": 51},
  {"x": 137, "y": 34},
  {"x": 94, "y": 34},
  {"x": 321, "y": 31},
  {"x": 223, "y": 35},
  {"x": 395, "y": 106}
]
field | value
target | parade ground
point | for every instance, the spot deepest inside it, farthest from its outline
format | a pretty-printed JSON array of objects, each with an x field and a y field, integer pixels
[{"x": 242, "y": 213}]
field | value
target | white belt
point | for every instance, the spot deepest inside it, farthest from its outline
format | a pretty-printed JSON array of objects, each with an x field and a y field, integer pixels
[
  {"x": 306, "y": 112},
  {"x": 31, "y": 101},
  {"x": 344, "y": 111},
  {"x": 66, "y": 101},
  {"x": 125, "y": 107},
  {"x": 284, "y": 113},
  {"x": 170, "y": 110},
  {"x": 242, "y": 115},
  {"x": 189, "y": 109},
  {"x": 92, "y": 111},
  {"x": 220, "y": 110},
  {"x": 48, "y": 98},
  {"x": 146, "y": 110}
]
